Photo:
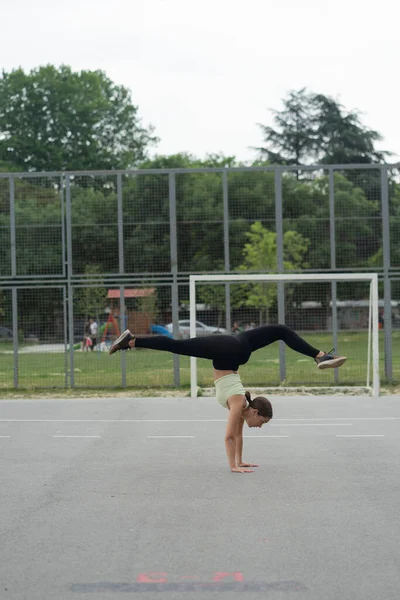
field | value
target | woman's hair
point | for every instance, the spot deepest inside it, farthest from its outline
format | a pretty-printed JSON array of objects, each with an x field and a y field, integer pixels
[{"x": 261, "y": 404}]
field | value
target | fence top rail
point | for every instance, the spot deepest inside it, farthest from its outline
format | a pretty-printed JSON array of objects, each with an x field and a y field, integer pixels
[
  {"x": 271, "y": 168},
  {"x": 288, "y": 277}
]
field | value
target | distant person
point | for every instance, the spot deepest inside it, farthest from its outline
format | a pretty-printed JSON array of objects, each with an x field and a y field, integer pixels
[
  {"x": 228, "y": 352},
  {"x": 236, "y": 328},
  {"x": 86, "y": 342},
  {"x": 93, "y": 328}
]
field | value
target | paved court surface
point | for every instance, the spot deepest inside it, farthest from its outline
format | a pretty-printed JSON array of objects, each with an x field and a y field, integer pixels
[{"x": 108, "y": 499}]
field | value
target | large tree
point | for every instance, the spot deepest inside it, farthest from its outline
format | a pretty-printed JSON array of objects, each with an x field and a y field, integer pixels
[
  {"x": 260, "y": 255},
  {"x": 55, "y": 119},
  {"x": 314, "y": 128},
  {"x": 292, "y": 140}
]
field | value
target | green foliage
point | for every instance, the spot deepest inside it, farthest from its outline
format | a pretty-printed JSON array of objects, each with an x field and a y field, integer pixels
[
  {"x": 199, "y": 216},
  {"x": 313, "y": 128},
  {"x": 2, "y": 304},
  {"x": 341, "y": 137},
  {"x": 149, "y": 305},
  {"x": 214, "y": 296},
  {"x": 199, "y": 224},
  {"x": 211, "y": 295},
  {"x": 293, "y": 139},
  {"x": 376, "y": 260},
  {"x": 91, "y": 300},
  {"x": 200, "y": 229},
  {"x": 38, "y": 221},
  {"x": 260, "y": 255},
  {"x": 306, "y": 210},
  {"x": 56, "y": 119},
  {"x": 260, "y": 252}
]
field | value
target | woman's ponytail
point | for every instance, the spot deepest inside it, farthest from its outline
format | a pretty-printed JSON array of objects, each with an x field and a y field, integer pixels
[{"x": 248, "y": 398}]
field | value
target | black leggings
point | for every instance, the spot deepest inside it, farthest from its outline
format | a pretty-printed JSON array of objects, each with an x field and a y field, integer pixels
[{"x": 226, "y": 351}]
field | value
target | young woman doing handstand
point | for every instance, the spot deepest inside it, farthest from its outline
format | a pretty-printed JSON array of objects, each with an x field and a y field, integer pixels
[{"x": 227, "y": 354}]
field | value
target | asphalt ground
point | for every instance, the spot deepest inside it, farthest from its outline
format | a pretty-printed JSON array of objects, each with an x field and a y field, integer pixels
[{"x": 117, "y": 498}]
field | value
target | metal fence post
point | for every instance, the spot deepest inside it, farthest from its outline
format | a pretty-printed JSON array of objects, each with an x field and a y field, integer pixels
[
  {"x": 14, "y": 301},
  {"x": 121, "y": 269},
  {"x": 14, "y": 298},
  {"x": 332, "y": 236},
  {"x": 386, "y": 267},
  {"x": 122, "y": 326},
  {"x": 12, "y": 228},
  {"x": 174, "y": 269},
  {"x": 70, "y": 300},
  {"x": 280, "y": 266},
  {"x": 225, "y": 200},
  {"x": 62, "y": 211},
  {"x": 64, "y": 273},
  {"x": 120, "y": 225},
  {"x": 65, "y": 317}
]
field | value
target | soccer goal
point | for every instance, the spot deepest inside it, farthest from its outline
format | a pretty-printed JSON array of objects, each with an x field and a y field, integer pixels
[{"x": 339, "y": 310}]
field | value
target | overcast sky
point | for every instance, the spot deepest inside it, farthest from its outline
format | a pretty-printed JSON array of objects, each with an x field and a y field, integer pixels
[{"x": 205, "y": 73}]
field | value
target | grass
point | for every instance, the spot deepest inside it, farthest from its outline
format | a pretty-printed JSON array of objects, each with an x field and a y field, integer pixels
[{"x": 154, "y": 370}]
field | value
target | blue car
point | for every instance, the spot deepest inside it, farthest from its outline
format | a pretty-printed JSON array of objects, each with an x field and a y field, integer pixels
[{"x": 160, "y": 330}]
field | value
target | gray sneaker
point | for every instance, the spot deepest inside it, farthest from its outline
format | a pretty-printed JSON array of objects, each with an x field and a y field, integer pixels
[
  {"x": 122, "y": 343},
  {"x": 330, "y": 361}
]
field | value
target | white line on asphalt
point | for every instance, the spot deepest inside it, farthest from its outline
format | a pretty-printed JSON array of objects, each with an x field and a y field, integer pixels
[
  {"x": 265, "y": 436},
  {"x": 154, "y": 437},
  {"x": 189, "y": 420},
  {"x": 343, "y": 419},
  {"x": 313, "y": 425},
  {"x": 76, "y": 436},
  {"x": 112, "y": 420},
  {"x": 362, "y": 435},
  {"x": 4, "y": 436}
]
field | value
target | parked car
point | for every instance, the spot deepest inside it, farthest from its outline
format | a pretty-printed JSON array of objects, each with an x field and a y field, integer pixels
[
  {"x": 6, "y": 334},
  {"x": 160, "y": 330},
  {"x": 201, "y": 329}
]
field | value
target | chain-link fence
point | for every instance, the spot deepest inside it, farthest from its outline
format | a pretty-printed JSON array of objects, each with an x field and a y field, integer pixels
[{"x": 85, "y": 255}]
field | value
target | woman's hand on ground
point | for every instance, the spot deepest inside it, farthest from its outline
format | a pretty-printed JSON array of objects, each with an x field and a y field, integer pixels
[{"x": 241, "y": 470}]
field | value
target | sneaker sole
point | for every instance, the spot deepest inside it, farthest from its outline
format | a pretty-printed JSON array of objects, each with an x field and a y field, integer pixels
[
  {"x": 333, "y": 363},
  {"x": 114, "y": 346}
]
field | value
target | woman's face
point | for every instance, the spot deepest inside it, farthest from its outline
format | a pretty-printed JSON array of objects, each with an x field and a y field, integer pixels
[{"x": 256, "y": 420}]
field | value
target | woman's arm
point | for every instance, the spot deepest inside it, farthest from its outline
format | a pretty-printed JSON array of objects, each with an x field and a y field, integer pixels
[
  {"x": 236, "y": 405},
  {"x": 239, "y": 448},
  {"x": 239, "y": 443}
]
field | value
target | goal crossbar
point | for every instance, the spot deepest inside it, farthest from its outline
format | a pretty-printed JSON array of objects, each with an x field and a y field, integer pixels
[{"x": 293, "y": 278}]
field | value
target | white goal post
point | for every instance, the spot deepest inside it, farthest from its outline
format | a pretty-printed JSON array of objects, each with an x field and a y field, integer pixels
[{"x": 373, "y": 321}]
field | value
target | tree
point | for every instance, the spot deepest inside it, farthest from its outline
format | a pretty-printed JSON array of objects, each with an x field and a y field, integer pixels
[
  {"x": 314, "y": 128},
  {"x": 91, "y": 300},
  {"x": 199, "y": 212},
  {"x": 56, "y": 119},
  {"x": 293, "y": 139},
  {"x": 306, "y": 210},
  {"x": 341, "y": 138},
  {"x": 357, "y": 234},
  {"x": 2, "y": 304},
  {"x": 260, "y": 254},
  {"x": 376, "y": 260}
]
